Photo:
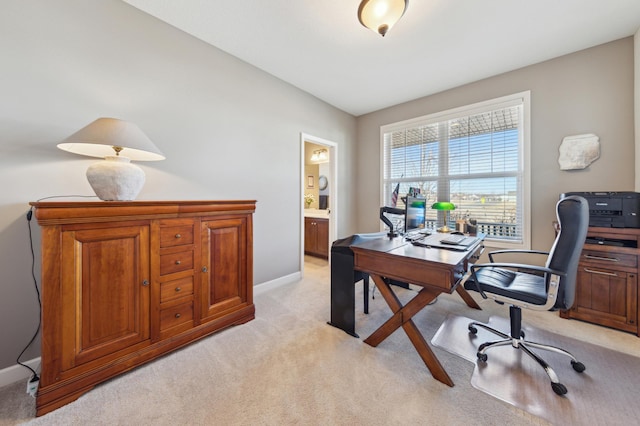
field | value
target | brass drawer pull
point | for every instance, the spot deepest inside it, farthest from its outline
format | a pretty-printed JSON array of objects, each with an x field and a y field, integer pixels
[
  {"x": 178, "y": 236},
  {"x": 178, "y": 315},
  {"x": 608, "y": 259},
  {"x": 178, "y": 262},
  {"x": 611, "y": 274},
  {"x": 178, "y": 289}
]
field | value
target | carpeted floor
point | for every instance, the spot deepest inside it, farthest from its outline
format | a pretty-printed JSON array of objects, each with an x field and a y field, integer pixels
[
  {"x": 602, "y": 394},
  {"x": 289, "y": 367}
]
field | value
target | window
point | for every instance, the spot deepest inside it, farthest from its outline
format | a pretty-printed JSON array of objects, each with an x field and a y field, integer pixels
[{"x": 475, "y": 157}]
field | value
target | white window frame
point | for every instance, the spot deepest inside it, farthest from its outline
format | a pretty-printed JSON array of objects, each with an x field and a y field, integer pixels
[{"x": 523, "y": 98}]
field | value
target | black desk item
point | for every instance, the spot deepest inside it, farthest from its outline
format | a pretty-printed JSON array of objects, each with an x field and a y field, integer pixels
[{"x": 343, "y": 278}]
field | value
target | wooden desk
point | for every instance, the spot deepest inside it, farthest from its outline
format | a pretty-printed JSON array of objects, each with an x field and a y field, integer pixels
[{"x": 436, "y": 270}]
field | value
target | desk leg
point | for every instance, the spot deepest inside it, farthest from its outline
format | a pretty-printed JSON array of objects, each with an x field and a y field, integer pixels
[
  {"x": 402, "y": 317},
  {"x": 464, "y": 294}
]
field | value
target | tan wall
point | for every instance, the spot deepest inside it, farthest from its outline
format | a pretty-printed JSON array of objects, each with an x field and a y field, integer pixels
[{"x": 590, "y": 91}]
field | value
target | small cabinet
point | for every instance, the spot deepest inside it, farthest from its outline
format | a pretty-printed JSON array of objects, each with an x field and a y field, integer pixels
[
  {"x": 226, "y": 281},
  {"x": 607, "y": 280},
  {"x": 316, "y": 237}
]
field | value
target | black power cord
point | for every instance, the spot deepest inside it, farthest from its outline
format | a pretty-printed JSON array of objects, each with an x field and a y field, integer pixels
[{"x": 34, "y": 374}]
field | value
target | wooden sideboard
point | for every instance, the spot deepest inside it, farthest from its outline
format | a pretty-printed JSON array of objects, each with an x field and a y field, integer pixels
[
  {"x": 607, "y": 281},
  {"x": 126, "y": 282}
]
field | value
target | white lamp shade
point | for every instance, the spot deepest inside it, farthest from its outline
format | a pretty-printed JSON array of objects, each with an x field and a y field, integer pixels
[
  {"x": 98, "y": 138},
  {"x": 381, "y": 15},
  {"x": 118, "y": 142}
]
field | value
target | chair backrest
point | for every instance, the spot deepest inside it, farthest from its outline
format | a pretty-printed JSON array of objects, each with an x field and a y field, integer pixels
[{"x": 573, "y": 217}]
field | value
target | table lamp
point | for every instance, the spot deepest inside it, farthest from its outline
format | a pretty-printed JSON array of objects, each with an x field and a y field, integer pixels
[
  {"x": 445, "y": 206},
  {"x": 118, "y": 142}
]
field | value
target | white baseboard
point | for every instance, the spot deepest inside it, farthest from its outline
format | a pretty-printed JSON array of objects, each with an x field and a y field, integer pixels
[
  {"x": 270, "y": 285},
  {"x": 17, "y": 372}
]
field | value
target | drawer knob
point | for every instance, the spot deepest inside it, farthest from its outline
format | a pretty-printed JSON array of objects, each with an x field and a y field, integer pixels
[
  {"x": 178, "y": 262},
  {"x": 204, "y": 269},
  {"x": 178, "y": 289},
  {"x": 178, "y": 236},
  {"x": 145, "y": 283},
  {"x": 178, "y": 315}
]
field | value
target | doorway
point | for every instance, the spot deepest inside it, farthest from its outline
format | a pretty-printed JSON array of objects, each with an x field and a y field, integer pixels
[{"x": 319, "y": 176}]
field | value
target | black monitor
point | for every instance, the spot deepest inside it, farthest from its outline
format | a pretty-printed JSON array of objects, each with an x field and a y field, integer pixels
[{"x": 414, "y": 216}]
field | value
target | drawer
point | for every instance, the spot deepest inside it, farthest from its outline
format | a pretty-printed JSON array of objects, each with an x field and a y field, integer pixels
[
  {"x": 176, "y": 315},
  {"x": 171, "y": 236},
  {"x": 176, "y": 262},
  {"x": 176, "y": 289},
  {"x": 608, "y": 259}
]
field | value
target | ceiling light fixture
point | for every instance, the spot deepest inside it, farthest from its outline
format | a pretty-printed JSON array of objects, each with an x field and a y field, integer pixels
[
  {"x": 320, "y": 156},
  {"x": 380, "y": 15}
]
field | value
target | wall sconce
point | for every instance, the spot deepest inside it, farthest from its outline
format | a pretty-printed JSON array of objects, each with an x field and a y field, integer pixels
[
  {"x": 118, "y": 142},
  {"x": 380, "y": 15},
  {"x": 445, "y": 206},
  {"x": 320, "y": 156}
]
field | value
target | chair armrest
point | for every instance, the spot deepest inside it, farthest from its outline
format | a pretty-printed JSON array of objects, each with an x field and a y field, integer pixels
[{"x": 519, "y": 251}]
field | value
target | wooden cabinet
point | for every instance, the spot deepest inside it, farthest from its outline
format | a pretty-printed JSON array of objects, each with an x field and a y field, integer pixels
[
  {"x": 316, "y": 237},
  {"x": 224, "y": 270},
  {"x": 126, "y": 282},
  {"x": 607, "y": 281}
]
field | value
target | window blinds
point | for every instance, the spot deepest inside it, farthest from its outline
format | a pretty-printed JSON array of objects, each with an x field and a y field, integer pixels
[{"x": 473, "y": 160}]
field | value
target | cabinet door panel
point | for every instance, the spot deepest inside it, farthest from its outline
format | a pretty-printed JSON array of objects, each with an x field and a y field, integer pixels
[
  {"x": 323, "y": 237},
  {"x": 224, "y": 254},
  {"x": 107, "y": 304}
]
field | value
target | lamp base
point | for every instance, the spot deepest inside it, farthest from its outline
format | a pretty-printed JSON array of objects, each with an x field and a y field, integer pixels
[
  {"x": 444, "y": 229},
  {"x": 115, "y": 179}
]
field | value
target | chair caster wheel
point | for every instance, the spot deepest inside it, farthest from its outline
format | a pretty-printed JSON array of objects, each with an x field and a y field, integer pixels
[
  {"x": 559, "y": 388},
  {"x": 482, "y": 357},
  {"x": 578, "y": 366},
  {"x": 472, "y": 329}
]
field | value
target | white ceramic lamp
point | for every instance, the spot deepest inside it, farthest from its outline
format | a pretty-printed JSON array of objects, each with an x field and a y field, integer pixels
[{"x": 118, "y": 142}]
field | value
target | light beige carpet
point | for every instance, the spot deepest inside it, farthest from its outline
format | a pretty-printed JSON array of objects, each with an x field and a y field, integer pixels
[
  {"x": 606, "y": 393},
  {"x": 288, "y": 367}
]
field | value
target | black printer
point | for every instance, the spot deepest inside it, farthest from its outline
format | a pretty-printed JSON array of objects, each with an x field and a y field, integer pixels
[{"x": 612, "y": 209}]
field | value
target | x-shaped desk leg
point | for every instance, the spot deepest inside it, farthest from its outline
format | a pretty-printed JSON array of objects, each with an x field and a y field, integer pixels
[{"x": 402, "y": 318}]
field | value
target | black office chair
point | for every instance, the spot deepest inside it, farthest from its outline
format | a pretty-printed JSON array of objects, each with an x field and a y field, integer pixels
[{"x": 534, "y": 287}]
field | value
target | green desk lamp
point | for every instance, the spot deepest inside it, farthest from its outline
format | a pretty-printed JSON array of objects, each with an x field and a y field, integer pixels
[{"x": 445, "y": 206}]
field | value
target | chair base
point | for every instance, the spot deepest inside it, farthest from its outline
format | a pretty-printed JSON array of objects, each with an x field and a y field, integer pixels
[{"x": 517, "y": 341}]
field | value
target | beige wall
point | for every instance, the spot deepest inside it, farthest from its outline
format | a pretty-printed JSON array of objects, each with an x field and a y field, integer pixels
[
  {"x": 228, "y": 130},
  {"x": 590, "y": 91}
]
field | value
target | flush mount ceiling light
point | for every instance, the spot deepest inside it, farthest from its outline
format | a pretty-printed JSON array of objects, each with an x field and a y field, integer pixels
[{"x": 380, "y": 15}]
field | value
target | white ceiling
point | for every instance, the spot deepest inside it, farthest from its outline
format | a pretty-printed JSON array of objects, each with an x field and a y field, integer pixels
[{"x": 320, "y": 47}]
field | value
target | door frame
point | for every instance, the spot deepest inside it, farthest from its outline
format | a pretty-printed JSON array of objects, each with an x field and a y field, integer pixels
[{"x": 333, "y": 180}]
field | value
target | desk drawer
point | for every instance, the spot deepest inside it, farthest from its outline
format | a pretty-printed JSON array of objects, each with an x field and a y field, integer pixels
[
  {"x": 176, "y": 315},
  {"x": 608, "y": 260},
  {"x": 176, "y": 262},
  {"x": 171, "y": 236},
  {"x": 176, "y": 289}
]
